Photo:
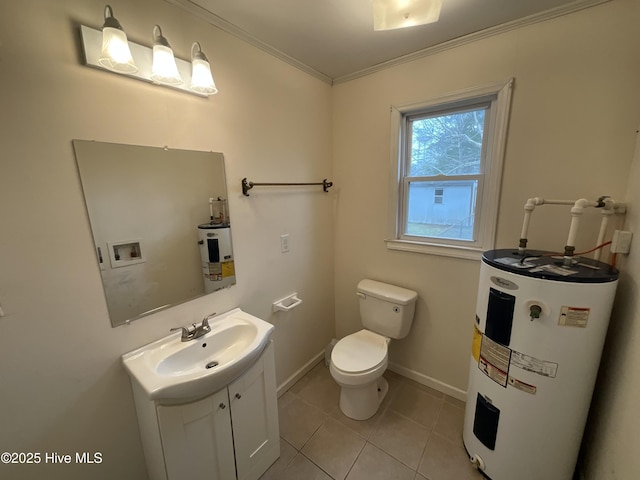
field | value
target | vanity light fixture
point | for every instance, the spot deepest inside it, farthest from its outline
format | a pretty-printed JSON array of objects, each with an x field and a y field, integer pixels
[
  {"x": 392, "y": 14},
  {"x": 109, "y": 49},
  {"x": 201, "y": 78},
  {"x": 164, "y": 69},
  {"x": 115, "y": 53}
]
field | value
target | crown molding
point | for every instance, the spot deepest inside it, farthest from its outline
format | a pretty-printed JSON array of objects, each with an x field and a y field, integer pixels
[
  {"x": 475, "y": 36},
  {"x": 236, "y": 31}
]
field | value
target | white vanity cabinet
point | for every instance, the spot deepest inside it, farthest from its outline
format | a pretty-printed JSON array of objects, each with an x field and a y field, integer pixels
[{"x": 231, "y": 434}]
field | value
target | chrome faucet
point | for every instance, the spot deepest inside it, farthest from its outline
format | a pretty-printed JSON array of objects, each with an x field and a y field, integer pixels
[
  {"x": 196, "y": 331},
  {"x": 186, "y": 333},
  {"x": 203, "y": 328}
]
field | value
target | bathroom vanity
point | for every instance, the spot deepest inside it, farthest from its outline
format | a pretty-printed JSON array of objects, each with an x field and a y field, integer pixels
[{"x": 230, "y": 433}]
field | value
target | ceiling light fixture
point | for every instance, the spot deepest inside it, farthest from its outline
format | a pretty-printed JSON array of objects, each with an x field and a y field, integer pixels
[
  {"x": 201, "y": 78},
  {"x": 164, "y": 69},
  {"x": 115, "y": 53},
  {"x": 392, "y": 14}
]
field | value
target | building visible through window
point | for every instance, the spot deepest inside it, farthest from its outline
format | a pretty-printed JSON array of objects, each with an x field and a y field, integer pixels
[{"x": 449, "y": 149}]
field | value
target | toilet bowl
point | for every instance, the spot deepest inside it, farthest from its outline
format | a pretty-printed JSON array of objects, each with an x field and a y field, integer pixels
[
  {"x": 359, "y": 360},
  {"x": 357, "y": 364}
]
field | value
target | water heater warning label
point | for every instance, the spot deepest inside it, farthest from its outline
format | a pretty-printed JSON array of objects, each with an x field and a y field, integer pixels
[
  {"x": 520, "y": 385},
  {"x": 494, "y": 360},
  {"x": 574, "y": 317},
  {"x": 535, "y": 365}
]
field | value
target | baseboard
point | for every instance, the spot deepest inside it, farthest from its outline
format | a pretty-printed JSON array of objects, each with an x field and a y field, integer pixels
[
  {"x": 289, "y": 382},
  {"x": 400, "y": 370},
  {"x": 428, "y": 381}
]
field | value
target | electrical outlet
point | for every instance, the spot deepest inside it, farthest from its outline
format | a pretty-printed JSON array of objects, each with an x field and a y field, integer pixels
[
  {"x": 621, "y": 242},
  {"x": 284, "y": 243}
]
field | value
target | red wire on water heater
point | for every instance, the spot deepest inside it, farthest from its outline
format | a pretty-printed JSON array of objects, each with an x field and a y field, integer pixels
[{"x": 579, "y": 253}]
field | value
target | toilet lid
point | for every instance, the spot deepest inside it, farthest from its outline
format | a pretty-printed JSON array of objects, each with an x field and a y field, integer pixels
[{"x": 359, "y": 351}]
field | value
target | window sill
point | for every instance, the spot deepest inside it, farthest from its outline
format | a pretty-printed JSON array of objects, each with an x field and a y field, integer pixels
[{"x": 433, "y": 249}]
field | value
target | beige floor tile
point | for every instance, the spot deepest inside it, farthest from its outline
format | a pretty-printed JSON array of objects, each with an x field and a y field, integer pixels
[
  {"x": 450, "y": 422},
  {"x": 298, "y": 421},
  {"x": 395, "y": 382},
  {"x": 424, "y": 388},
  {"x": 417, "y": 404},
  {"x": 416, "y": 428},
  {"x": 374, "y": 464},
  {"x": 364, "y": 428},
  {"x": 454, "y": 401},
  {"x": 446, "y": 460},
  {"x": 285, "y": 399},
  {"x": 400, "y": 437},
  {"x": 334, "y": 448},
  {"x": 320, "y": 390},
  {"x": 301, "y": 468},
  {"x": 304, "y": 381},
  {"x": 287, "y": 453}
]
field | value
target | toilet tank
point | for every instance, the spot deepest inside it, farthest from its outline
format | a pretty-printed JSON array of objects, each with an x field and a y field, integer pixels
[{"x": 386, "y": 309}]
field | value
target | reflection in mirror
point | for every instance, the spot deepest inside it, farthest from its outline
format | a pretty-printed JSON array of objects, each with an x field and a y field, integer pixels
[{"x": 160, "y": 224}]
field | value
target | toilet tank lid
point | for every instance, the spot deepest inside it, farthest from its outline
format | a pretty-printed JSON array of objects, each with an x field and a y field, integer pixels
[{"x": 389, "y": 293}]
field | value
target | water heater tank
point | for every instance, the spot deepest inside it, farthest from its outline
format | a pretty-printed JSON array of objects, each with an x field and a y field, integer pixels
[{"x": 539, "y": 332}]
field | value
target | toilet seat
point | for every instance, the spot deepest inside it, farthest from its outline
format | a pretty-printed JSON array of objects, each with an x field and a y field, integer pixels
[{"x": 360, "y": 352}]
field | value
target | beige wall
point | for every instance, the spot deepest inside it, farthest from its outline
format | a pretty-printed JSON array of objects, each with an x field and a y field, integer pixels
[
  {"x": 62, "y": 386},
  {"x": 571, "y": 135},
  {"x": 610, "y": 446}
]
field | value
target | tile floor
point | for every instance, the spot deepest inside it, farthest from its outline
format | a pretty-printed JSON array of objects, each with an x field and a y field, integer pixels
[{"x": 416, "y": 434}]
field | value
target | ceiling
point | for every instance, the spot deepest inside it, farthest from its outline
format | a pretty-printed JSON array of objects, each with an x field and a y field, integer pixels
[{"x": 335, "y": 41}]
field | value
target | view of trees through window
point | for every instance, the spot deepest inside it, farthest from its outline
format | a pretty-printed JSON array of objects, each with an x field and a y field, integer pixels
[{"x": 445, "y": 145}]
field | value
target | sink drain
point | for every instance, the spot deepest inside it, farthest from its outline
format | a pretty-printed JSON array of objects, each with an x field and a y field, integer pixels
[{"x": 211, "y": 364}]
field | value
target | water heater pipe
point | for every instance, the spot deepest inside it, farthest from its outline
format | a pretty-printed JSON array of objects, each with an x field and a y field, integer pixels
[
  {"x": 608, "y": 205},
  {"x": 576, "y": 213},
  {"x": 531, "y": 204}
]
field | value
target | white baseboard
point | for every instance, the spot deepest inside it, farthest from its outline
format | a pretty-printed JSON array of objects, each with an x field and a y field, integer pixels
[
  {"x": 400, "y": 370},
  {"x": 428, "y": 381},
  {"x": 289, "y": 382}
]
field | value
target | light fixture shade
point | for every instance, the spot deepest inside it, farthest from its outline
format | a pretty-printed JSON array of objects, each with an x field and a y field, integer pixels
[
  {"x": 115, "y": 54},
  {"x": 392, "y": 14},
  {"x": 201, "y": 78},
  {"x": 164, "y": 69}
]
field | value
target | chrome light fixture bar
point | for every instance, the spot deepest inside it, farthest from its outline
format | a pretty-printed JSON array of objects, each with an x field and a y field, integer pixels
[
  {"x": 144, "y": 65},
  {"x": 392, "y": 14}
]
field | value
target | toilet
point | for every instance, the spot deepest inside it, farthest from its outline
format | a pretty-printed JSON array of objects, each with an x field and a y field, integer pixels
[{"x": 359, "y": 360}]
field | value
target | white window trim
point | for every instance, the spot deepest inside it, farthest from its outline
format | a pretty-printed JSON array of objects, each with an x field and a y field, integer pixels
[{"x": 500, "y": 95}]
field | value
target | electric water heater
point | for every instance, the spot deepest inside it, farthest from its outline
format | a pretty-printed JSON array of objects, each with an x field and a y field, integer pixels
[
  {"x": 216, "y": 255},
  {"x": 539, "y": 332}
]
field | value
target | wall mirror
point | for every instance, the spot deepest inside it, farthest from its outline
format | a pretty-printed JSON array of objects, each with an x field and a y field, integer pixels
[{"x": 160, "y": 224}]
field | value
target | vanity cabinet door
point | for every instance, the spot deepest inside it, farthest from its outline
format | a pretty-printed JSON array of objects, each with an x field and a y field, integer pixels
[
  {"x": 254, "y": 414},
  {"x": 197, "y": 439}
]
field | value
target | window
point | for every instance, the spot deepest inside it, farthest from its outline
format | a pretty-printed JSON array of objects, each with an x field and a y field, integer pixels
[
  {"x": 438, "y": 195},
  {"x": 453, "y": 147}
]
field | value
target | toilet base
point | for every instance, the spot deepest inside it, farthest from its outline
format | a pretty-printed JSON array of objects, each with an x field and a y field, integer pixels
[{"x": 362, "y": 402}]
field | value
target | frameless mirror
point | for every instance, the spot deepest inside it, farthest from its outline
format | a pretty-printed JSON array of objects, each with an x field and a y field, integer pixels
[{"x": 160, "y": 224}]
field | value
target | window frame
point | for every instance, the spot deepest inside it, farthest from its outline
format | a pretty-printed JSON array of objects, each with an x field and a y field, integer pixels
[{"x": 498, "y": 98}]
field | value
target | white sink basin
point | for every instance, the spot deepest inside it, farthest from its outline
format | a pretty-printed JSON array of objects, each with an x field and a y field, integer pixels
[{"x": 175, "y": 371}]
